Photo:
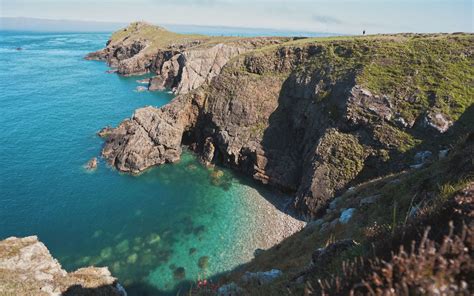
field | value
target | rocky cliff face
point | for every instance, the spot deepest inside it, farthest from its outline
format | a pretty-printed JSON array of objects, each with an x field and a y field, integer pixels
[
  {"x": 181, "y": 62},
  {"x": 27, "y": 268},
  {"x": 310, "y": 117}
]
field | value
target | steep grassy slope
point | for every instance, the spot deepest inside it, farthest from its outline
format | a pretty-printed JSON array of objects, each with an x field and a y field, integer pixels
[
  {"x": 390, "y": 212},
  {"x": 357, "y": 128},
  {"x": 314, "y": 116}
]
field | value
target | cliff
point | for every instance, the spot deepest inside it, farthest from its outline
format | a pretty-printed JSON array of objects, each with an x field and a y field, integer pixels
[
  {"x": 409, "y": 233},
  {"x": 312, "y": 117},
  {"x": 27, "y": 268},
  {"x": 181, "y": 62}
]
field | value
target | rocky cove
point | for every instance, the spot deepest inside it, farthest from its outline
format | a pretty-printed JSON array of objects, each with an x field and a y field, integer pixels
[
  {"x": 365, "y": 134},
  {"x": 309, "y": 117}
]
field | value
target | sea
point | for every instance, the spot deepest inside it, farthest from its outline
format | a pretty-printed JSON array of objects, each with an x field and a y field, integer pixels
[{"x": 158, "y": 232}]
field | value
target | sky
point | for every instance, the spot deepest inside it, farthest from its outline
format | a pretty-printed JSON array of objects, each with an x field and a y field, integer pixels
[{"x": 336, "y": 16}]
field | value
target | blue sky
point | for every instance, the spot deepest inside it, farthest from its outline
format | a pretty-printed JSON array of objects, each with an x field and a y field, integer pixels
[{"x": 348, "y": 16}]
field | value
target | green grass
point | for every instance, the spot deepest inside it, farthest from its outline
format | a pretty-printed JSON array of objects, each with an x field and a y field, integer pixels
[
  {"x": 160, "y": 38},
  {"x": 427, "y": 189}
]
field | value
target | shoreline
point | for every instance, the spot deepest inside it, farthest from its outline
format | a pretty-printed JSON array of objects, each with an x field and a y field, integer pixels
[{"x": 269, "y": 225}]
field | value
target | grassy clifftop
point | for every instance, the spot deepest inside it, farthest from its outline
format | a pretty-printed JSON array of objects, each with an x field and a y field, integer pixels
[
  {"x": 395, "y": 94},
  {"x": 158, "y": 37},
  {"x": 161, "y": 38},
  {"x": 356, "y": 111},
  {"x": 419, "y": 71}
]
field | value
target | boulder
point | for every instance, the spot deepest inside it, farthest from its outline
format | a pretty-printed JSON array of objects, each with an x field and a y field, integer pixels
[
  {"x": 27, "y": 268},
  {"x": 208, "y": 151},
  {"x": 262, "y": 277},
  {"x": 92, "y": 164},
  {"x": 230, "y": 289},
  {"x": 141, "y": 88},
  {"x": 438, "y": 122},
  {"x": 346, "y": 215}
]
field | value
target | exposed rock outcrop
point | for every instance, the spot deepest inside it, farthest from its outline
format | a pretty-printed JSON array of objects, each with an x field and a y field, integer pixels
[
  {"x": 306, "y": 117},
  {"x": 182, "y": 62},
  {"x": 151, "y": 137},
  {"x": 27, "y": 268},
  {"x": 190, "y": 69},
  {"x": 91, "y": 164}
]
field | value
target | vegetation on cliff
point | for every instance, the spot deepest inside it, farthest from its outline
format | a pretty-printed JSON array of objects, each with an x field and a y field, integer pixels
[
  {"x": 373, "y": 136},
  {"x": 413, "y": 233}
]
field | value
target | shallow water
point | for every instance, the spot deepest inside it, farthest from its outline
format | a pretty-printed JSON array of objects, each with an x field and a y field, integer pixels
[{"x": 143, "y": 227}]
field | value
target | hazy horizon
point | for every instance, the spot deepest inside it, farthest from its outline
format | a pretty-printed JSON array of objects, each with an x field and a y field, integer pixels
[
  {"x": 64, "y": 25},
  {"x": 338, "y": 16}
]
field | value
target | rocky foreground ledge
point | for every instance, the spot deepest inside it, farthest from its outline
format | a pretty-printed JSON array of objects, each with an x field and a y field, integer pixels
[{"x": 27, "y": 268}]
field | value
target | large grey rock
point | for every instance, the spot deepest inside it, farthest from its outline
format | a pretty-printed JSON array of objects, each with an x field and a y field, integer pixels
[
  {"x": 192, "y": 68},
  {"x": 262, "y": 277},
  {"x": 151, "y": 137},
  {"x": 437, "y": 121},
  {"x": 346, "y": 215},
  {"x": 362, "y": 102}
]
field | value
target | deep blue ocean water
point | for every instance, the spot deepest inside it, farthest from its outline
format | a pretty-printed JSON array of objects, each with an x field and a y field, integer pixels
[{"x": 52, "y": 103}]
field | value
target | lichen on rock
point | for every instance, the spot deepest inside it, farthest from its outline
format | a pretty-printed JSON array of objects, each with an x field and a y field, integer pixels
[{"x": 27, "y": 268}]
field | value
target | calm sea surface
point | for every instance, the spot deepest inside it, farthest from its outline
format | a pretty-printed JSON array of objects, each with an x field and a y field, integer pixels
[{"x": 172, "y": 224}]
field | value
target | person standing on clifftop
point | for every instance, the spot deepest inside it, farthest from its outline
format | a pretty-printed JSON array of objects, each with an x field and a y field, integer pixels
[{"x": 363, "y": 32}]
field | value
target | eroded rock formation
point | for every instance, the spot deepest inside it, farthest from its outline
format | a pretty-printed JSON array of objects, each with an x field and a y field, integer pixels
[
  {"x": 310, "y": 118},
  {"x": 27, "y": 268},
  {"x": 181, "y": 62}
]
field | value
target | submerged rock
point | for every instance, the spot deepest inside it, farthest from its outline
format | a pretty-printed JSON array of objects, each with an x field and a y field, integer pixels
[
  {"x": 179, "y": 273},
  {"x": 199, "y": 229},
  {"x": 216, "y": 177},
  {"x": 144, "y": 81},
  {"x": 132, "y": 258},
  {"x": 123, "y": 246},
  {"x": 203, "y": 262},
  {"x": 104, "y": 132},
  {"x": 141, "y": 88},
  {"x": 154, "y": 238}
]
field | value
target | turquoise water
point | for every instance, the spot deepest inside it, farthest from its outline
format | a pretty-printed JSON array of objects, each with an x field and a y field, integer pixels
[{"x": 145, "y": 227}]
